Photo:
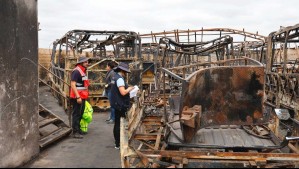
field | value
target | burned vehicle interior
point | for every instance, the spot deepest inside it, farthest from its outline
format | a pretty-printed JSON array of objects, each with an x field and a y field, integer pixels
[
  {"x": 207, "y": 109},
  {"x": 209, "y": 97}
]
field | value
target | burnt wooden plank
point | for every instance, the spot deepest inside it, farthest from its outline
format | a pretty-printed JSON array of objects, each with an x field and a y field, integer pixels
[
  {"x": 149, "y": 136},
  {"x": 61, "y": 132},
  {"x": 47, "y": 121}
]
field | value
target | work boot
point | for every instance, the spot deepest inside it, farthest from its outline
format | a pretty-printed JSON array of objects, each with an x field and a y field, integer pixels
[
  {"x": 77, "y": 135},
  {"x": 82, "y": 132},
  {"x": 117, "y": 147},
  {"x": 110, "y": 121}
]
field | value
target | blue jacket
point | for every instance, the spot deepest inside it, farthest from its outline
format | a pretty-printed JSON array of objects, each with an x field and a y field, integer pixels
[{"x": 118, "y": 101}]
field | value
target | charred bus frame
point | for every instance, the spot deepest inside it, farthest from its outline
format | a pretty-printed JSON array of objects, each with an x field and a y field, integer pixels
[
  {"x": 282, "y": 80},
  {"x": 206, "y": 89},
  {"x": 101, "y": 47}
]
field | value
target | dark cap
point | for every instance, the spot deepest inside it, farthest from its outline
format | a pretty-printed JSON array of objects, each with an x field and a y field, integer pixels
[{"x": 122, "y": 66}]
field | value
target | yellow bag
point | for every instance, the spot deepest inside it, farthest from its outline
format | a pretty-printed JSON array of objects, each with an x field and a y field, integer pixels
[
  {"x": 83, "y": 126},
  {"x": 86, "y": 117},
  {"x": 88, "y": 111}
]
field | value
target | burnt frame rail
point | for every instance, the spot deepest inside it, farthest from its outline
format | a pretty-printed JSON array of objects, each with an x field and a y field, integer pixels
[{"x": 244, "y": 43}]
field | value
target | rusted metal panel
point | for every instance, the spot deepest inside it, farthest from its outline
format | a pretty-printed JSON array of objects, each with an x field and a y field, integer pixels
[
  {"x": 228, "y": 95},
  {"x": 227, "y": 137},
  {"x": 229, "y": 92},
  {"x": 19, "y": 82}
]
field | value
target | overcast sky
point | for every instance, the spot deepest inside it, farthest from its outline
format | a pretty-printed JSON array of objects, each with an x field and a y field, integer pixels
[{"x": 57, "y": 17}]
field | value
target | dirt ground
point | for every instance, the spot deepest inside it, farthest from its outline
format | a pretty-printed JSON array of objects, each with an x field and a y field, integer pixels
[{"x": 95, "y": 150}]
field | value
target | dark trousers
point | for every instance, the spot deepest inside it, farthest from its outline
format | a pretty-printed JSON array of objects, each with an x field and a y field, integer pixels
[
  {"x": 77, "y": 113},
  {"x": 116, "y": 129},
  {"x": 112, "y": 114}
]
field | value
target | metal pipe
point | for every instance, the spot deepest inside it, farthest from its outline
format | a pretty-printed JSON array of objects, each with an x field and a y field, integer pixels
[{"x": 292, "y": 138}]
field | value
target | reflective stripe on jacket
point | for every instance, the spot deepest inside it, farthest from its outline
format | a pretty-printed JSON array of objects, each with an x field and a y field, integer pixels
[{"x": 82, "y": 89}]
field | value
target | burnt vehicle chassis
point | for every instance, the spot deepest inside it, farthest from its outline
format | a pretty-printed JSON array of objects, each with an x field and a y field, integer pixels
[
  {"x": 282, "y": 81},
  {"x": 207, "y": 109},
  {"x": 101, "y": 47}
]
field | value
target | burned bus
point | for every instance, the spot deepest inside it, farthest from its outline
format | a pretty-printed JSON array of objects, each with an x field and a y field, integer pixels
[
  {"x": 207, "y": 108},
  {"x": 101, "y": 47}
]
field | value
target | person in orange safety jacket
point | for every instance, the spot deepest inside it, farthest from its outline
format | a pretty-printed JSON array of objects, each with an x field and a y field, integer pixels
[{"x": 79, "y": 94}]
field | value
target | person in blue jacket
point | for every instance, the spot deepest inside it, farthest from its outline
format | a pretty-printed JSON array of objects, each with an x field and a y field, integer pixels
[{"x": 120, "y": 98}]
